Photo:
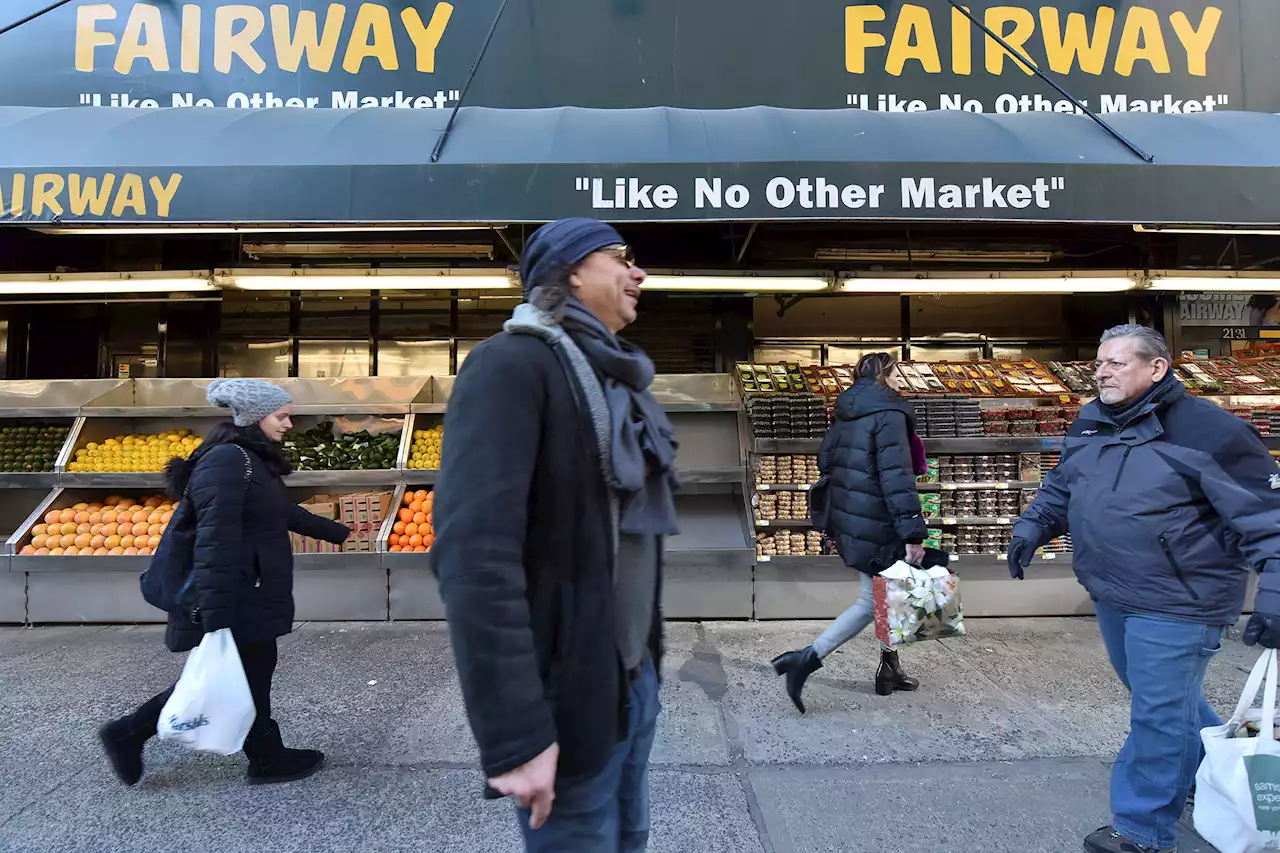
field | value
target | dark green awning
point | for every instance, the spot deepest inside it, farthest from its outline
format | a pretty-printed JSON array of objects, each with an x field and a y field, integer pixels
[{"x": 311, "y": 166}]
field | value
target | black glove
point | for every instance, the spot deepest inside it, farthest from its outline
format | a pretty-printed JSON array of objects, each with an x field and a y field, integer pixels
[
  {"x": 1263, "y": 629},
  {"x": 1020, "y": 552}
]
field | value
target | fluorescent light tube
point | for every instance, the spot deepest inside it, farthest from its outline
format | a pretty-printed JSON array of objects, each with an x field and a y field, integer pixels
[
  {"x": 107, "y": 283},
  {"x": 735, "y": 284},
  {"x": 1220, "y": 230},
  {"x": 1216, "y": 284},
  {"x": 374, "y": 279},
  {"x": 1031, "y": 285}
]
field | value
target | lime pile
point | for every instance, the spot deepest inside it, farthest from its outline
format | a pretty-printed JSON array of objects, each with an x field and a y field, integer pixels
[{"x": 30, "y": 447}]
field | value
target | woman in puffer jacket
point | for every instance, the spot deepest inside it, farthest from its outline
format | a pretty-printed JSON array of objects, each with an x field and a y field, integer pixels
[
  {"x": 241, "y": 569},
  {"x": 871, "y": 456}
]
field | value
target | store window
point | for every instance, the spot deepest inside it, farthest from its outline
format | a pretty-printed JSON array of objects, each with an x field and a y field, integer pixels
[
  {"x": 407, "y": 317},
  {"x": 342, "y": 316},
  {"x": 845, "y": 316},
  {"x": 1020, "y": 317},
  {"x": 255, "y": 359},
  {"x": 333, "y": 359},
  {"x": 852, "y": 353},
  {"x": 768, "y": 353},
  {"x": 1033, "y": 351},
  {"x": 946, "y": 352},
  {"x": 413, "y": 358},
  {"x": 255, "y": 315},
  {"x": 678, "y": 333},
  {"x": 480, "y": 317}
]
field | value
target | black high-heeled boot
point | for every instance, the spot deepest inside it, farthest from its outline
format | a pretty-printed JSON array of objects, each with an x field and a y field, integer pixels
[
  {"x": 797, "y": 666},
  {"x": 891, "y": 676}
]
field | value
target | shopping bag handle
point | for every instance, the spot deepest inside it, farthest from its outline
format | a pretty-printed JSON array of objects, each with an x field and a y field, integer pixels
[{"x": 1265, "y": 670}]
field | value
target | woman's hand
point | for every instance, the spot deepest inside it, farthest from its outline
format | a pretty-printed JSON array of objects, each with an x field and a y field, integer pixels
[{"x": 915, "y": 555}]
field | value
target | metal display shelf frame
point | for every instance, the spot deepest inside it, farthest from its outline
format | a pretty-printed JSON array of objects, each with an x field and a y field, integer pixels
[{"x": 48, "y": 400}]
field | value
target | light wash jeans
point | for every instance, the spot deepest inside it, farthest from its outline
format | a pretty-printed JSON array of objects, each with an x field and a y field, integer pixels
[
  {"x": 850, "y": 623},
  {"x": 1162, "y": 662}
]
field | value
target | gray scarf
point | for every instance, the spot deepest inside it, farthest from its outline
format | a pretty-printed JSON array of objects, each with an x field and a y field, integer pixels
[{"x": 635, "y": 439}]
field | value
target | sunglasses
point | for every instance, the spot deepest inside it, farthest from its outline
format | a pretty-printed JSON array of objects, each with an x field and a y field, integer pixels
[{"x": 622, "y": 252}]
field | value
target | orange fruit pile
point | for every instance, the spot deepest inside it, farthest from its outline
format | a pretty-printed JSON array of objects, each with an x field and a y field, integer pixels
[
  {"x": 116, "y": 527},
  {"x": 413, "y": 530}
]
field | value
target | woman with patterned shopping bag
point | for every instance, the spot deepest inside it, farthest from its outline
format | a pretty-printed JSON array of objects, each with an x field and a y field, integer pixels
[{"x": 869, "y": 458}]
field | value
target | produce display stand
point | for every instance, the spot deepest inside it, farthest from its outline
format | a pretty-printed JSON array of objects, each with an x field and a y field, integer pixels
[
  {"x": 344, "y": 585},
  {"x": 48, "y": 401},
  {"x": 347, "y": 585},
  {"x": 105, "y": 588},
  {"x": 708, "y": 566}
]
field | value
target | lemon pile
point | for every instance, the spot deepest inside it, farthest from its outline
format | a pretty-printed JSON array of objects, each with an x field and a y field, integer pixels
[
  {"x": 135, "y": 452},
  {"x": 425, "y": 452}
]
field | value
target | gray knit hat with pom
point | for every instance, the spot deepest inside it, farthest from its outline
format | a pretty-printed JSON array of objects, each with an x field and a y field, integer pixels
[{"x": 250, "y": 400}]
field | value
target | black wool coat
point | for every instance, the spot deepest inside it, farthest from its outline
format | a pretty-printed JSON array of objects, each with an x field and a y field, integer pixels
[
  {"x": 875, "y": 509},
  {"x": 524, "y": 553},
  {"x": 242, "y": 572}
]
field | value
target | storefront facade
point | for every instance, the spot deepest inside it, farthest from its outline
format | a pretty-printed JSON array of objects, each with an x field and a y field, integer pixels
[{"x": 288, "y": 192}]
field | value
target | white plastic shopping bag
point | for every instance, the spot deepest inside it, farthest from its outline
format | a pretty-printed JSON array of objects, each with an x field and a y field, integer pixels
[
  {"x": 211, "y": 708},
  {"x": 1238, "y": 785},
  {"x": 913, "y": 605}
]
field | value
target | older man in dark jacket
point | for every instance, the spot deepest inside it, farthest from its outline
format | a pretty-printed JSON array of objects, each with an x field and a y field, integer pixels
[
  {"x": 1169, "y": 500},
  {"x": 555, "y": 493}
]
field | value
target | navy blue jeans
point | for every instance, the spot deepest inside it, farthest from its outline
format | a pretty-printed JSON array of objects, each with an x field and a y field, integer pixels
[
  {"x": 607, "y": 812},
  {"x": 1162, "y": 662}
]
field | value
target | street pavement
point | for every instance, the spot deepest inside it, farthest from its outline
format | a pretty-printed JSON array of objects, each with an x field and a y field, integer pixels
[{"x": 1006, "y": 746}]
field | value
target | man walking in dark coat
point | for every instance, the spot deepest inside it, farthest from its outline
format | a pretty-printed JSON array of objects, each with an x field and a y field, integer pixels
[
  {"x": 1169, "y": 500},
  {"x": 555, "y": 493}
]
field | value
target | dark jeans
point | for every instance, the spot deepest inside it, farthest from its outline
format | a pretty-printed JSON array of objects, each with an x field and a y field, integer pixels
[
  {"x": 1162, "y": 662},
  {"x": 259, "y": 661},
  {"x": 608, "y": 812}
]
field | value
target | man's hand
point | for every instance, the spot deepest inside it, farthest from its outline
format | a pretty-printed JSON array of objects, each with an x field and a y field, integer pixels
[
  {"x": 533, "y": 785},
  {"x": 915, "y": 555},
  {"x": 1020, "y": 553},
  {"x": 1263, "y": 629}
]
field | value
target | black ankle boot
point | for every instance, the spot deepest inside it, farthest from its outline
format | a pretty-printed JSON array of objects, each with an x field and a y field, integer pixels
[
  {"x": 891, "y": 676},
  {"x": 797, "y": 666},
  {"x": 122, "y": 740},
  {"x": 271, "y": 761}
]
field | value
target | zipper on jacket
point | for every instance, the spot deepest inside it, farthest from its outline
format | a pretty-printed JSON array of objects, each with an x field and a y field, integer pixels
[
  {"x": 1120, "y": 470},
  {"x": 1177, "y": 570}
]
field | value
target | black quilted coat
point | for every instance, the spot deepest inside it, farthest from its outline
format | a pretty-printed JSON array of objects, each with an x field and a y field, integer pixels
[
  {"x": 875, "y": 510},
  {"x": 243, "y": 561}
]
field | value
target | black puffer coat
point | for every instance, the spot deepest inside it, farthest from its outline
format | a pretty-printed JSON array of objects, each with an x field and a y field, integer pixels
[
  {"x": 875, "y": 510},
  {"x": 243, "y": 561}
]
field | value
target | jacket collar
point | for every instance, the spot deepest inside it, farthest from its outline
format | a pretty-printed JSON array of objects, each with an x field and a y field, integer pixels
[
  {"x": 1142, "y": 423},
  {"x": 866, "y": 397}
]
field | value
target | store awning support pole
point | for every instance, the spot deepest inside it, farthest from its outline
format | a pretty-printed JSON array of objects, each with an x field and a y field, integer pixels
[
  {"x": 1031, "y": 66},
  {"x": 742, "y": 252},
  {"x": 33, "y": 16},
  {"x": 502, "y": 235},
  {"x": 471, "y": 75}
]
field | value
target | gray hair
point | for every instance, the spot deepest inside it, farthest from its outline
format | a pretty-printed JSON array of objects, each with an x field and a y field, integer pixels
[
  {"x": 1150, "y": 344},
  {"x": 554, "y": 293}
]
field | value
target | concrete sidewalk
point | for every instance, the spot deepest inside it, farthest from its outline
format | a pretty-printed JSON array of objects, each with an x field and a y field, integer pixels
[{"x": 1006, "y": 746}]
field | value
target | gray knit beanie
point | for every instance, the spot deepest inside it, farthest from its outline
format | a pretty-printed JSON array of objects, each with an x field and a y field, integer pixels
[{"x": 250, "y": 400}]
